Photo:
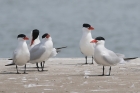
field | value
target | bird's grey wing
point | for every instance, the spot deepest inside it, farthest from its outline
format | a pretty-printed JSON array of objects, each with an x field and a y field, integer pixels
[
  {"x": 54, "y": 52},
  {"x": 13, "y": 59},
  {"x": 15, "y": 56},
  {"x": 80, "y": 50},
  {"x": 36, "y": 52},
  {"x": 120, "y": 55},
  {"x": 111, "y": 58}
]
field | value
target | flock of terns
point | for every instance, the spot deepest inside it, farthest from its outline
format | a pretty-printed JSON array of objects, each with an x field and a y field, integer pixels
[{"x": 41, "y": 51}]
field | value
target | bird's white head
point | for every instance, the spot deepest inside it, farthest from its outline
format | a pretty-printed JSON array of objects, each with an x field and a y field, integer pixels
[
  {"x": 22, "y": 37},
  {"x": 87, "y": 27},
  {"x": 46, "y": 36},
  {"x": 98, "y": 40}
]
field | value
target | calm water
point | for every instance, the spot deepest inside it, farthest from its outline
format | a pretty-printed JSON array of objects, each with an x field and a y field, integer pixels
[{"x": 118, "y": 21}]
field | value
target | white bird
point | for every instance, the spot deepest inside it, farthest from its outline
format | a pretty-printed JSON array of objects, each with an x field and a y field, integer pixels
[
  {"x": 103, "y": 56},
  {"x": 42, "y": 51},
  {"x": 86, "y": 47},
  {"x": 35, "y": 40},
  {"x": 21, "y": 55}
]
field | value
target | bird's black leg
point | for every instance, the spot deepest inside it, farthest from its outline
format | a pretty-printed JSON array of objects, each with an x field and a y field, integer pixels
[
  {"x": 92, "y": 60},
  {"x": 86, "y": 59},
  {"x": 109, "y": 70},
  {"x": 37, "y": 65},
  {"x": 103, "y": 70},
  {"x": 42, "y": 65},
  {"x": 25, "y": 69},
  {"x": 17, "y": 69}
]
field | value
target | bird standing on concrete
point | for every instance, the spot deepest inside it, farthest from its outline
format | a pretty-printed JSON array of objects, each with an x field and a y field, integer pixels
[
  {"x": 21, "y": 55},
  {"x": 106, "y": 57},
  {"x": 42, "y": 51},
  {"x": 35, "y": 40},
  {"x": 86, "y": 47}
]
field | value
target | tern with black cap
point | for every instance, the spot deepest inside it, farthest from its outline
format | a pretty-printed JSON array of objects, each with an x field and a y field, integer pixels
[
  {"x": 21, "y": 55},
  {"x": 35, "y": 40},
  {"x": 42, "y": 51},
  {"x": 87, "y": 48},
  {"x": 106, "y": 57}
]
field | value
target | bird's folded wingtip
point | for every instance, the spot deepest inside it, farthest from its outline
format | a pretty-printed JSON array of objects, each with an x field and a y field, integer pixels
[
  {"x": 130, "y": 58},
  {"x": 62, "y": 47},
  {"x": 10, "y": 64},
  {"x": 10, "y": 59}
]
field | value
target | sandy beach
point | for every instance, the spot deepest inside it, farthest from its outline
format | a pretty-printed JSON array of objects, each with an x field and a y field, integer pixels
[{"x": 70, "y": 75}]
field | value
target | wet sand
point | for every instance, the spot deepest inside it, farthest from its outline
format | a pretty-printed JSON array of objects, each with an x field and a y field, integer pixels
[{"x": 70, "y": 75}]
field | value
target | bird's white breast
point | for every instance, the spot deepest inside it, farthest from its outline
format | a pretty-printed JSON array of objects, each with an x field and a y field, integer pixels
[
  {"x": 86, "y": 47},
  {"x": 22, "y": 55}
]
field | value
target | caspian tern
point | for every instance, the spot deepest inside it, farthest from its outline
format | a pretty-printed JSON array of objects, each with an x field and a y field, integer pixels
[
  {"x": 42, "y": 51},
  {"x": 86, "y": 47},
  {"x": 21, "y": 55},
  {"x": 35, "y": 40},
  {"x": 106, "y": 57}
]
